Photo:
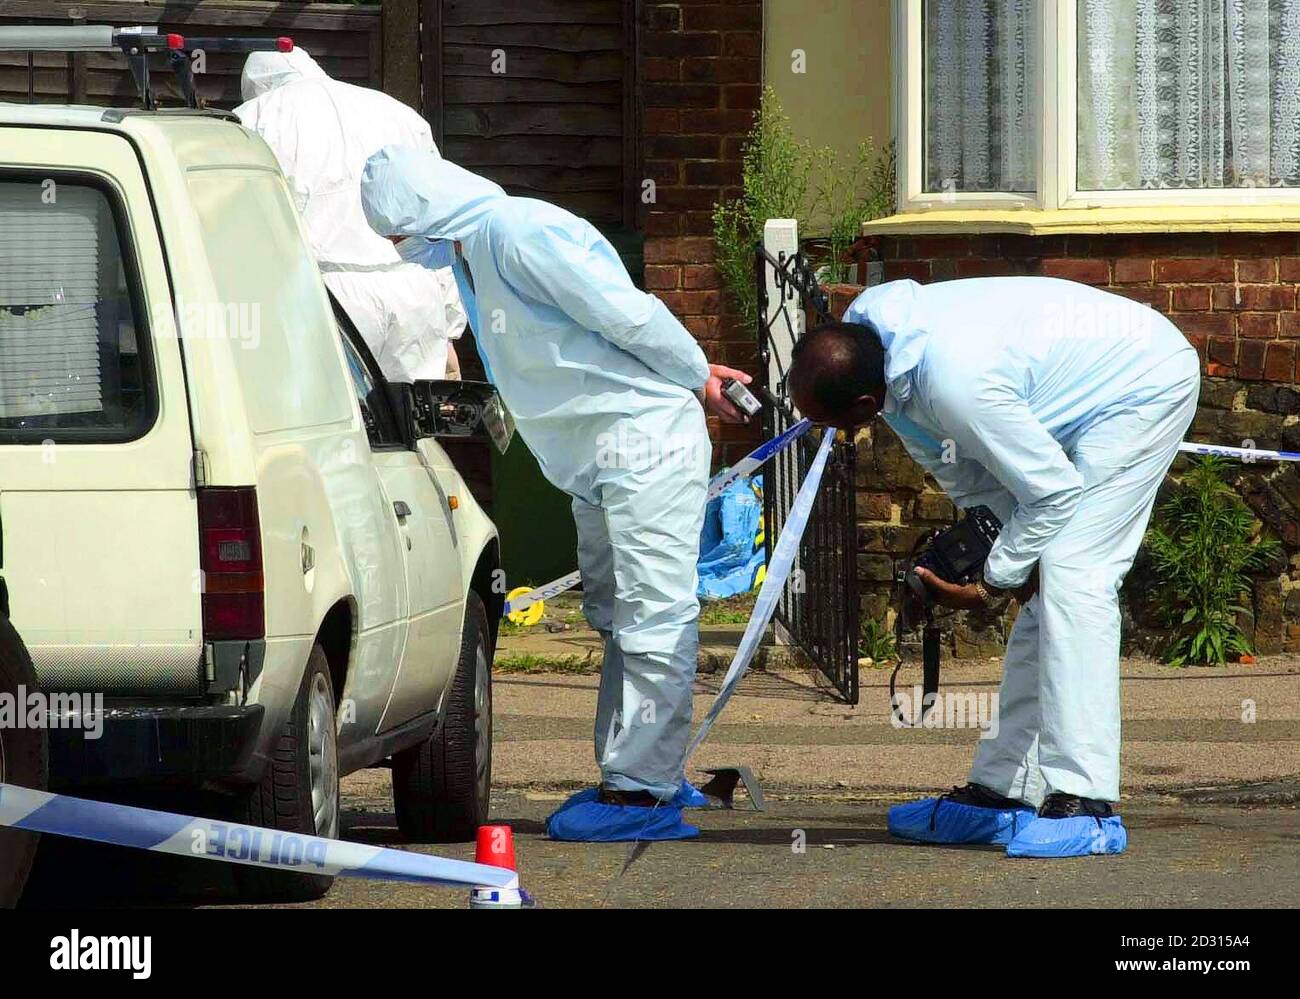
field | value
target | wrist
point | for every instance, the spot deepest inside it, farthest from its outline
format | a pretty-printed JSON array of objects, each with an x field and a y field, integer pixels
[{"x": 988, "y": 593}]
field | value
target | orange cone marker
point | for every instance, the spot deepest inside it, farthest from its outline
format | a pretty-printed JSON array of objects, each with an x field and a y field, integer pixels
[{"x": 496, "y": 848}]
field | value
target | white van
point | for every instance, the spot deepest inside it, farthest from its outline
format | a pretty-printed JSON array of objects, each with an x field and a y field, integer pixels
[{"x": 213, "y": 509}]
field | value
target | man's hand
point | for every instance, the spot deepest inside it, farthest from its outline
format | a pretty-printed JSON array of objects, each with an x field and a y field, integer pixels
[
  {"x": 950, "y": 594},
  {"x": 717, "y": 403}
]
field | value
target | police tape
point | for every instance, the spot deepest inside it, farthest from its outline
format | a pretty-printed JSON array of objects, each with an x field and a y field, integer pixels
[
  {"x": 208, "y": 839},
  {"x": 717, "y": 485},
  {"x": 778, "y": 570},
  {"x": 1240, "y": 453}
]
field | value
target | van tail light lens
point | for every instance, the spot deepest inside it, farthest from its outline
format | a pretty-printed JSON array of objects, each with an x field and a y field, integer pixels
[{"x": 230, "y": 555}]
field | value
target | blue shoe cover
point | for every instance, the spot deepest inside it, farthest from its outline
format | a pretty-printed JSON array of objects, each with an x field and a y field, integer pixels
[
  {"x": 1077, "y": 836},
  {"x": 953, "y": 823},
  {"x": 583, "y": 819},
  {"x": 689, "y": 796}
]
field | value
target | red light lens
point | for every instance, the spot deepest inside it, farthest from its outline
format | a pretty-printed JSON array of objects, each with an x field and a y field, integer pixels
[
  {"x": 176, "y": 41},
  {"x": 230, "y": 555}
]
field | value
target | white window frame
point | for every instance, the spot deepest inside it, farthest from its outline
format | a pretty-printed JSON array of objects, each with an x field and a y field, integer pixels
[{"x": 1057, "y": 173}]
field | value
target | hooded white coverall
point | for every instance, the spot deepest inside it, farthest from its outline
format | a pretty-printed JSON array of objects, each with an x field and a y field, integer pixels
[
  {"x": 322, "y": 131},
  {"x": 1060, "y": 407},
  {"x": 601, "y": 381}
]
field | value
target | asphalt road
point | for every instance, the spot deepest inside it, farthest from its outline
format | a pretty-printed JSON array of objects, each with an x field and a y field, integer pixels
[{"x": 1181, "y": 855}]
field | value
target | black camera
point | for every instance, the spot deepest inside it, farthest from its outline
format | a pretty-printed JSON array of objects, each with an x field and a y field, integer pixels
[{"x": 955, "y": 555}]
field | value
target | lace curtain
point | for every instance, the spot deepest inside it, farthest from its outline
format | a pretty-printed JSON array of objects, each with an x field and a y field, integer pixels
[
  {"x": 1188, "y": 94},
  {"x": 981, "y": 95}
]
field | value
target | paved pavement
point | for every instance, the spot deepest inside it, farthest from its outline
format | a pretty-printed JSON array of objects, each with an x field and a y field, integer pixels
[{"x": 1211, "y": 769}]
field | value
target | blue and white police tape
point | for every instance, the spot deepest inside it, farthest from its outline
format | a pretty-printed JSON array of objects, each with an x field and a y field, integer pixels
[
  {"x": 1239, "y": 453},
  {"x": 208, "y": 839},
  {"x": 778, "y": 570},
  {"x": 745, "y": 466}
]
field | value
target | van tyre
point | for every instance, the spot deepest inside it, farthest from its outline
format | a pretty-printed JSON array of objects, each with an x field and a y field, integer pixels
[
  {"x": 299, "y": 792},
  {"x": 24, "y": 761},
  {"x": 442, "y": 786}
]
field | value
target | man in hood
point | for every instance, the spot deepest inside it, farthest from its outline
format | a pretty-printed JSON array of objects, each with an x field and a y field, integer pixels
[
  {"x": 606, "y": 388},
  {"x": 1059, "y": 407},
  {"x": 322, "y": 131}
]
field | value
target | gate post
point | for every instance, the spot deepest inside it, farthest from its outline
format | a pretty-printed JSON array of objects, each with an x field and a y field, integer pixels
[{"x": 781, "y": 241}]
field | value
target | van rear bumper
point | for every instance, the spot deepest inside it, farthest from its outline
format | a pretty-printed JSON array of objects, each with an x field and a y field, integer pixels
[{"x": 164, "y": 742}]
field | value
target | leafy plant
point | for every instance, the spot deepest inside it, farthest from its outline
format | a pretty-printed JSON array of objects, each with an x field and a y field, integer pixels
[
  {"x": 877, "y": 642},
  {"x": 849, "y": 194},
  {"x": 1203, "y": 551},
  {"x": 777, "y": 178}
]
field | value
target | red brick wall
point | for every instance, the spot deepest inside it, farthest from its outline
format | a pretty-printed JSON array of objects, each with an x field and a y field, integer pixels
[
  {"x": 700, "y": 67},
  {"x": 1232, "y": 294},
  {"x": 1235, "y": 298}
]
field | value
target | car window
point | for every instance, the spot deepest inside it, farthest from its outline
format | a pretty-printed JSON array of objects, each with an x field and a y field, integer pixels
[
  {"x": 73, "y": 359},
  {"x": 381, "y": 428}
]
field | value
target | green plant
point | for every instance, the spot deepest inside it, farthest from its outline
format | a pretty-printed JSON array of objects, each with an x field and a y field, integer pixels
[
  {"x": 877, "y": 641},
  {"x": 849, "y": 194},
  {"x": 777, "y": 181},
  {"x": 1203, "y": 550}
]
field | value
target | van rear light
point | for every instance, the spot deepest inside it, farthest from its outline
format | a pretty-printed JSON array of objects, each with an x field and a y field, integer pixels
[{"x": 230, "y": 555}]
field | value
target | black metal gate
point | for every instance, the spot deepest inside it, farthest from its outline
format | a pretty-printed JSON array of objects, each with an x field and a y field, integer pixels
[{"x": 819, "y": 609}]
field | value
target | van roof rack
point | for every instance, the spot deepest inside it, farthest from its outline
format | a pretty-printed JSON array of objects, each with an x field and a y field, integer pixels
[{"x": 136, "y": 44}]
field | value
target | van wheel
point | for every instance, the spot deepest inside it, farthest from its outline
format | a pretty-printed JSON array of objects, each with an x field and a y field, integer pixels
[
  {"x": 24, "y": 761},
  {"x": 299, "y": 793},
  {"x": 442, "y": 786}
]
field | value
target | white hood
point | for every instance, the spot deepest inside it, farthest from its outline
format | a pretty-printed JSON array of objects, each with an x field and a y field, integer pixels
[{"x": 265, "y": 71}]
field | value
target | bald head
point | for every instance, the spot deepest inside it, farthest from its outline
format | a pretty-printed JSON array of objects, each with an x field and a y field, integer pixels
[{"x": 837, "y": 374}]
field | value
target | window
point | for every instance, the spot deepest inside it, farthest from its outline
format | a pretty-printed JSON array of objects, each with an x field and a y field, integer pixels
[
  {"x": 72, "y": 367},
  {"x": 981, "y": 95},
  {"x": 1081, "y": 103},
  {"x": 381, "y": 428}
]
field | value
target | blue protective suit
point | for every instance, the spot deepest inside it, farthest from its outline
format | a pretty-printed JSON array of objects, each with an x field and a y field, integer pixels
[
  {"x": 1060, "y": 407},
  {"x": 601, "y": 381}
]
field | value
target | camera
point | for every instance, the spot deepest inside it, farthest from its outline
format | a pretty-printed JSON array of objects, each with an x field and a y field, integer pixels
[
  {"x": 741, "y": 397},
  {"x": 955, "y": 555}
]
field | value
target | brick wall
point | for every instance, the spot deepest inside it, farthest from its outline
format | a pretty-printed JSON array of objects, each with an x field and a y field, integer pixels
[
  {"x": 1235, "y": 298},
  {"x": 700, "y": 67}
]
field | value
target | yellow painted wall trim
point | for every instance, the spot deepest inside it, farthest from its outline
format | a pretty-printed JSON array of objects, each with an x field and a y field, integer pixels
[{"x": 1034, "y": 222}]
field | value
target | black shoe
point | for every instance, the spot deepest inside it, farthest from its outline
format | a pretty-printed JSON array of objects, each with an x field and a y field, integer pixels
[
  {"x": 1059, "y": 805},
  {"x": 981, "y": 797},
  {"x": 639, "y": 799}
]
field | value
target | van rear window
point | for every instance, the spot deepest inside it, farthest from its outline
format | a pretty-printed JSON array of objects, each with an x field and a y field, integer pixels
[{"x": 70, "y": 362}]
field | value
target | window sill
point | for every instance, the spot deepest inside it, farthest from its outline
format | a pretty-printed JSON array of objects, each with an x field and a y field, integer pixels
[{"x": 1037, "y": 222}]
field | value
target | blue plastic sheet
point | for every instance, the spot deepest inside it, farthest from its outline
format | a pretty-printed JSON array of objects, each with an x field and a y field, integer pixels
[{"x": 731, "y": 549}]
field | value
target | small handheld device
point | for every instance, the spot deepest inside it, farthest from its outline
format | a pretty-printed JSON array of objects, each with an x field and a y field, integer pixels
[{"x": 741, "y": 397}]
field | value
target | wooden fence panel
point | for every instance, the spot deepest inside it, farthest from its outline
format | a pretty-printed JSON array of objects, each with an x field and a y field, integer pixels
[{"x": 347, "y": 41}]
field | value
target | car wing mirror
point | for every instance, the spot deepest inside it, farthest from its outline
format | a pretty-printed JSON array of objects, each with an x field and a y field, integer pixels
[{"x": 462, "y": 409}]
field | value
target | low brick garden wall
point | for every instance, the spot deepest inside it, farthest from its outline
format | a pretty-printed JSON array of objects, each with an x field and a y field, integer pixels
[{"x": 1235, "y": 298}]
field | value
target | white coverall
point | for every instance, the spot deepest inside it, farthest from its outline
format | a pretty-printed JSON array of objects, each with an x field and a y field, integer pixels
[
  {"x": 601, "y": 381},
  {"x": 1060, "y": 407},
  {"x": 322, "y": 131}
]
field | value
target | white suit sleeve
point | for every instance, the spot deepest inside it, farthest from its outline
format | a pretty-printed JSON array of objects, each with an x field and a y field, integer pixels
[
  {"x": 993, "y": 425},
  {"x": 967, "y": 483},
  {"x": 595, "y": 291}
]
